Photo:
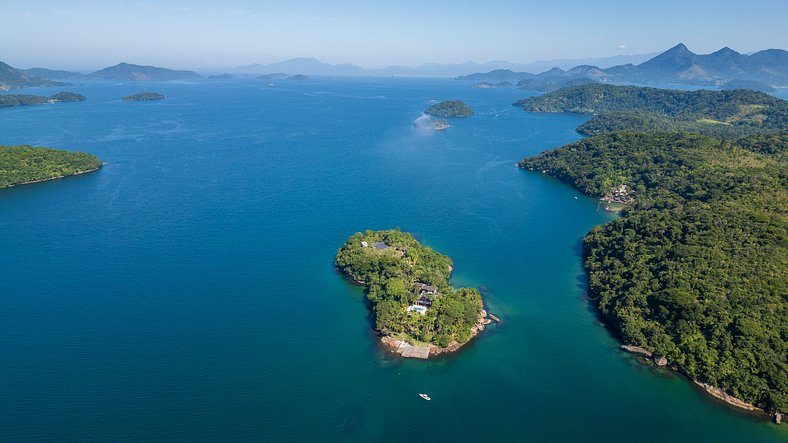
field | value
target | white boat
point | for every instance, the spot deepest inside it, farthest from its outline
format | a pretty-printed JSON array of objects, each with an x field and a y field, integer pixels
[{"x": 425, "y": 397}]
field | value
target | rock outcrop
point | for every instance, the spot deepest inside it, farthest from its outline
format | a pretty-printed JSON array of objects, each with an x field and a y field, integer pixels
[{"x": 632, "y": 349}]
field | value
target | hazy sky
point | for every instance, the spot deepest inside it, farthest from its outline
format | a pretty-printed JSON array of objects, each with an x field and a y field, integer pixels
[{"x": 80, "y": 34}]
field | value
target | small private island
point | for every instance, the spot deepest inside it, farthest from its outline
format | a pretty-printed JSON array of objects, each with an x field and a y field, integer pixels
[
  {"x": 143, "y": 97},
  {"x": 22, "y": 165},
  {"x": 449, "y": 108},
  {"x": 417, "y": 313}
]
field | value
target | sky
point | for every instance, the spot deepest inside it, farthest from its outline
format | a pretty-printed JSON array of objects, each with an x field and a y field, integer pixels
[{"x": 91, "y": 34}]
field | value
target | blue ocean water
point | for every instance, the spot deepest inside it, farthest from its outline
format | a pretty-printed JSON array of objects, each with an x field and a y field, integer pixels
[{"x": 186, "y": 291}]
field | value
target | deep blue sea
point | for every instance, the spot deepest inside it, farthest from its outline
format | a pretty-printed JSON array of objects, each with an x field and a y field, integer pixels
[{"x": 186, "y": 291}]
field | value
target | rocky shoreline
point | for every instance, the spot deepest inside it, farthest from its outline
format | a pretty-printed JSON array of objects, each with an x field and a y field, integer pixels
[
  {"x": 714, "y": 391},
  {"x": 406, "y": 350},
  {"x": 57, "y": 178}
]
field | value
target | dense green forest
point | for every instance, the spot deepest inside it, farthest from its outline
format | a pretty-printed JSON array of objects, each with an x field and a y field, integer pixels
[
  {"x": 726, "y": 114},
  {"x": 67, "y": 97},
  {"x": 24, "y": 164},
  {"x": 9, "y": 100},
  {"x": 393, "y": 265},
  {"x": 449, "y": 108},
  {"x": 696, "y": 269},
  {"x": 144, "y": 96}
]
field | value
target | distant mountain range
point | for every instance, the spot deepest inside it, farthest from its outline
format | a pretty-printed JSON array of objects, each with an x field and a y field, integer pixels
[
  {"x": 52, "y": 74},
  {"x": 12, "y": 78},
  {"x": 312, "y": 66},
  {"x": 676, "y": 65},
  {"x": 308, "y": 66}
]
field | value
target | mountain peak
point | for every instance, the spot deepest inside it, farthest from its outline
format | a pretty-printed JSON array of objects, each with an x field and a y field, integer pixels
[
  {"x": 725, "y": 51},
  {"x": 680, "y": 48}
]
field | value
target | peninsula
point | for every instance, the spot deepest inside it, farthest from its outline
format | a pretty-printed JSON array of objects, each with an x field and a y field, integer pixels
[
  {"x": 449, "y": 108},
  {"x": 143, "y": 97},
  {"x": 416, "y": 311},
  {"x": 21, "y": 165},
  {"x": 722, "y": 114},
  {"x": 11, "y": 100},
  {"x": 693, "y": 272}
]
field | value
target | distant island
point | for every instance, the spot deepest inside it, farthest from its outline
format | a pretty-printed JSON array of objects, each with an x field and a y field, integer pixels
[
  {"x": 298, "y": 78},
  {"x": 221, "y": 76},
  {"x": 692, "y": 274},
  {"x": 449, "y": 108},
  {"x": 416, "y": 311},
  {"x": 10, "y": 100},
  {"x": 274, "y": 76},
  {"x": 21, "y": 165},
  {"x": 747, "y": 84},
  {"x": 552, "y": 84},
  {"x": 143, "y": 97},
  {"x": 68, "y": 97},
  {"x": 130, "y": 72},
  {"x": 727, "y": 114},
  {"x": 488, "y": 85}
]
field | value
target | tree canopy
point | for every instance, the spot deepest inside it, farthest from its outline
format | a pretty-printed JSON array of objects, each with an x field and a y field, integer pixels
[
  {"x": 449, "y": 108},
  {"x": 724, "y": 114},
  {"x": 24, "y": 164},
  {"x": 696, "y": 269}
]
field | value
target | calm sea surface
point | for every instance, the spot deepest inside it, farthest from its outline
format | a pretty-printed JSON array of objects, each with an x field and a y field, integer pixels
[{"x": 186, "y": 291}]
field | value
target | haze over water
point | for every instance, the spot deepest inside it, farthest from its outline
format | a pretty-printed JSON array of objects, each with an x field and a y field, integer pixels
[{"x": 187, "y": 292}]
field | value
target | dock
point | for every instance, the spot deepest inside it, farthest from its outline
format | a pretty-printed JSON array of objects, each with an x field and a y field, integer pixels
[{"x": 410, "y": 351}]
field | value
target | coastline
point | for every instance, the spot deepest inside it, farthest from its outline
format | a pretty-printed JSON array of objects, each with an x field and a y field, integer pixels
[
  {"x": 713, "y": 391},
  {"x": 406, "y": 350},
  {"x": 55, "y": 178},
  {"x": 710, "y": 390}
]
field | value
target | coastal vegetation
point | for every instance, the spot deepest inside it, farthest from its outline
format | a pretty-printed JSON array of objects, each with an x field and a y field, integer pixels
[
  {"x": 408, "y": 288},
  {"x": 67, "y": 97},
  {"x": 11, "y": 100},
  {"x": 695, "y": 268},
  {"x": 723, "y": 114},
  {"x": 27, "y": 164},
  {"x": 449, "y": 108},
  {"x": 143, "y": 96}
]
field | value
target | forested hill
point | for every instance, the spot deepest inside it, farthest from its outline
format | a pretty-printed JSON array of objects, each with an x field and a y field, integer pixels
[
  {"x": 26, "y": 164},
  {"x": 697, "y": 268},
  {"x": 130, "y": 72},
  {"x": 395, "y": 267},
  {"x": 729, "y": 114},
  {"x": 12, "y": 78}
]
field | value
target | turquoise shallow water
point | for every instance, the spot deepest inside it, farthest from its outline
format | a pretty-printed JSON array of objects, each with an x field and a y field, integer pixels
[{"x": 186, "y": 291}]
